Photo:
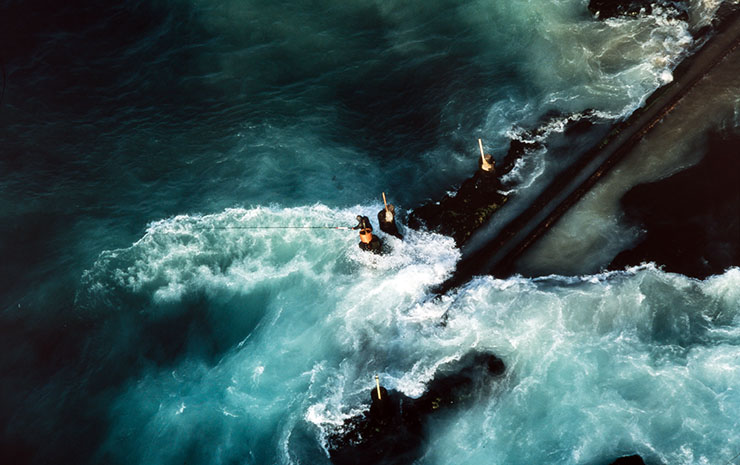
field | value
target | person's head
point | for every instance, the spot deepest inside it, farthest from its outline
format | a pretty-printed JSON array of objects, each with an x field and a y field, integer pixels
[
  {"x": 487, "y": 163},
  {"x": 359, "y": 218},
  {"x": 391, "y": 208}
]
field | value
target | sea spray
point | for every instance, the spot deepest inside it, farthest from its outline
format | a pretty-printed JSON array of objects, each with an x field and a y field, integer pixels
[
  {"x": 134, "y": 332},
  {"x": 600, "y": 366},
  {"x": 596, "y": 364}
]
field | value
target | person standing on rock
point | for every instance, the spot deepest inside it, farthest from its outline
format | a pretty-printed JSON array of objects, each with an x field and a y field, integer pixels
[{"x": 387, "y": 220}]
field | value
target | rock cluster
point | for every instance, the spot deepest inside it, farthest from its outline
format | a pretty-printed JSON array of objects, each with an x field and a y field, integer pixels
[
  {"x": 461, "y": 212},
  {"x": 603, "y": 9},
  {"x": 390, "y": 431}
]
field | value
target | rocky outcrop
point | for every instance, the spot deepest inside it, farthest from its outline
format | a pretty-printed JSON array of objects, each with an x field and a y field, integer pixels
[
  {"x": 629, "y": 460},
  {"x": 460, "y": 213},
  {"x": 603, "y": 9},
  {"x": 390, "y": 431}
]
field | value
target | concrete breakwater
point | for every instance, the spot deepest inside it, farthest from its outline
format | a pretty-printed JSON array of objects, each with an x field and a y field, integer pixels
[{"x": 502, "y": 249}]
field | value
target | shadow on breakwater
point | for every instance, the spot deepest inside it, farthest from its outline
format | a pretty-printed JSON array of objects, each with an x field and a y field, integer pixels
[
  {"x": 461, "y": 212},
  {"x": 501, "y": 251}
]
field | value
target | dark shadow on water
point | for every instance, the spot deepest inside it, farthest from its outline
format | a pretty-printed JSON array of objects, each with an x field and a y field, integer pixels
[{"x": 61, "y": 375}]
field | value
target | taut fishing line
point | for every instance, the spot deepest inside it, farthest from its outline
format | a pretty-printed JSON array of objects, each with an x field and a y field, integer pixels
[{"x": 275, "y": 227}]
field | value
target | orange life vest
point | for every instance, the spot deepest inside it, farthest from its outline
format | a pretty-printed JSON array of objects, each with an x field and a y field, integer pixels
[{"x": 366, "y": 236}]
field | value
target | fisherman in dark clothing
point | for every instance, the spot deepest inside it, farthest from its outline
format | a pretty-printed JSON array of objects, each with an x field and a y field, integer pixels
[
  {"x": 363, "y": 222},
  {"x": 368, "y": 242},
  {"x": 387, "y": 221}
]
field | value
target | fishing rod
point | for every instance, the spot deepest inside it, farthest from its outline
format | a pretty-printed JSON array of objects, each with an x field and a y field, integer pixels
[{"x": 275, "y": 227}]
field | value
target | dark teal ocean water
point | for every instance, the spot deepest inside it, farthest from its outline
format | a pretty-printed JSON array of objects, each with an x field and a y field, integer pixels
[{"x": 141, "y": 323}]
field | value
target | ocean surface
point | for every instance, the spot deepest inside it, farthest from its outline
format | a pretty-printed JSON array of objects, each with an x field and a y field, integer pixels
[{"x": 163, "y": 301}]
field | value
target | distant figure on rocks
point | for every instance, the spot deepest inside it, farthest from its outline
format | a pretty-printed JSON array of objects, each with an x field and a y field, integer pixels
[
  {"x": 387, "y": 221},
  {"x": 368, "y": 242},
  {"x": 486, "y": 163}
]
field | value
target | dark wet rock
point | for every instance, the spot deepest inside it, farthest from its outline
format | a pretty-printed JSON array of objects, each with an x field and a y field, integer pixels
[
  {"x": 603, "y": 9},
  {"x": 375, "y": 246},
  {"x": 517, "y": 150},
  {"x": 580, "y": 125},
  {"x": 460, "y": 213},
  {"x": 629, "y": 460},
  {"x": 391, "y": 430},
  {"x": 532, "y": 140},
  {"x": 722, "y": 18},
  {"x": 692, "y": 218}
]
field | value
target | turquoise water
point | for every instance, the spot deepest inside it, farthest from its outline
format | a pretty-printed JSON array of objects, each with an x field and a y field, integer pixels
[{"x": 148, "y": 317}]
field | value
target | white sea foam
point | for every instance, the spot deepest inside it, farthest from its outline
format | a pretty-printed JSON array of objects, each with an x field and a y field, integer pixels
[
  {"x": 701, "y": 12},
  {"x": 593, "y": 360},
  {"x": 597, "y": 366},
  {"x": 239, "y": 249},
  {"x": 527, "y": 171}
]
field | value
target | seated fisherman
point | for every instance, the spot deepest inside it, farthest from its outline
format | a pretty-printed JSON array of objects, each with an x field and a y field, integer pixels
[
  {"x": 487, "y": 164},
  {"x": 368, "y": 242},
  {"x": 387, "y": 221},
  {"x": 363, "y": 222}
]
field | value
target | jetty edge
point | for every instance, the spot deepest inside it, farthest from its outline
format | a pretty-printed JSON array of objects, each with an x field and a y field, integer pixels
[{"x": 500, "y": 252}]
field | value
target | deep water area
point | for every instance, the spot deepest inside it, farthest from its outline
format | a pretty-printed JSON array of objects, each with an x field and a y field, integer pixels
[{"x": 174, "y": 288}]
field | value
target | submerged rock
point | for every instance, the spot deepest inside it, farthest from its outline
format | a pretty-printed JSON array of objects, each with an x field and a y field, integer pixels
[
  {"x": 390, "y": 431},
  {"x": 629, "y": 460}
]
